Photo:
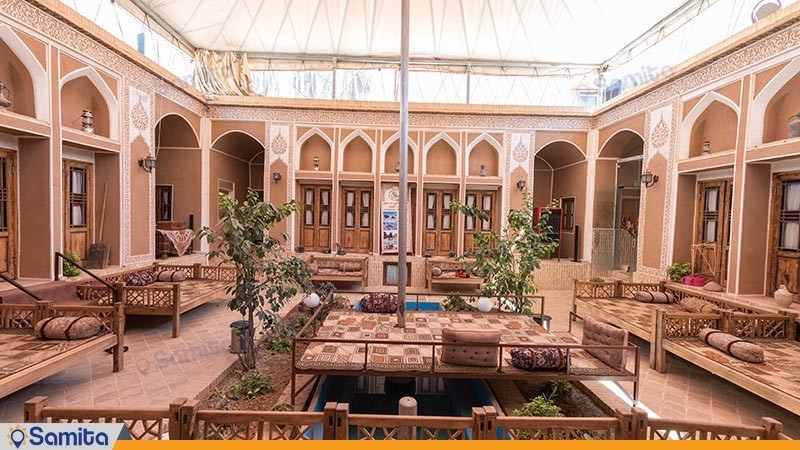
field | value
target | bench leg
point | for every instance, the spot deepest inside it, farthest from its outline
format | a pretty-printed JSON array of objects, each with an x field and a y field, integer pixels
[{"x": 176, "y": 310}]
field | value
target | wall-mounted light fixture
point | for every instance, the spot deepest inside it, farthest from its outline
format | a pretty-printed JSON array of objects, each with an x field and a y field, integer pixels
[
  {"x": 316, "y": 163},
  {"x": 5, "y": 102},
  {"x": 521, "y": 184},
  {"x": 148, "y": 163},
  {"x": 88, "y": 122},
  {"x": 276, "y": 176},
  {"x": 648, "y": 179}
]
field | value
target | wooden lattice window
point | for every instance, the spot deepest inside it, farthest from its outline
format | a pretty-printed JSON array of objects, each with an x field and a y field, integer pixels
[
  {"x": 784, "y": 258},
  {"x": 164, "y": 203},
  {"x": 568, "y": 217},
  {"x": 486, "y": 201}
]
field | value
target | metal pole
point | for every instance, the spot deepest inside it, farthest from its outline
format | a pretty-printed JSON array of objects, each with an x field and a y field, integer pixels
[{"x": 402, "y": 214}]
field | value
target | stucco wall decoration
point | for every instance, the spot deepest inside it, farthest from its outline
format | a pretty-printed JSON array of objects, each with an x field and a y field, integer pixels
[{"x": 138, "y": 116}]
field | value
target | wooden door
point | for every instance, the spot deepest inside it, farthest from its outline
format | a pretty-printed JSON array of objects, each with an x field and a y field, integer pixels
[
  {"x": 487, "y": 202},
  {"x": 163, "y": 203},
  {"x": 78, "y": 207},
  {"x": 438, "y": 238},
  {"x": 316, "y": 213},
  {"x": 785, "y": 233},
  {"x": 356, "y": 219},
  {"x": 8, "y": 214},
  {"x": 712, "y": 233}
]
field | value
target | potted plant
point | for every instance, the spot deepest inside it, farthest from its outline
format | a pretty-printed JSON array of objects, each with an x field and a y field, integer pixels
[
  {"x": 508, "y": 260},
  {"x": 267, "y": 277},
  {"x": 676, "y": 271}
]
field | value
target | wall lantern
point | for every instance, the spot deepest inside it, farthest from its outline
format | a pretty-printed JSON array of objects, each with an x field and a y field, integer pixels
[
  {"x": 88, "y": 124},
  {"x": 276, "y": 176},
  {"x": 148, "y": 163},
  {"x": 316, "y": 163},
  {"x": 521, "y": 184},
  {"x": 5, "y": 102},
  {"x": 648, "y": 179}
]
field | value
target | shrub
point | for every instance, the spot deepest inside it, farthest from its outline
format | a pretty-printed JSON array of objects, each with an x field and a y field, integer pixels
[
  {"x": 251, "y": 386},
  {"x": 340, "y": 302},
  {"x": 456, "y": 303},
  {"x": 280, "y": 344},
  {"x": 676, "y": 271},
  {"x": 300, "y": 322},
  {"x": 68, "y": 269},
  {"x": 557, "y": 391},
  {"x": 283, "y": 407},
  {"x": 597, "y": 280},
  {"x": 539, "y": 407}
]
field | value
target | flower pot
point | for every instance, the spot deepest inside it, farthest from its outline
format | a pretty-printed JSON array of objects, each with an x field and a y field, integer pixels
[
  {"x": 694, "y": 280},
  {"x": 794, "y": 126},
  {"x": 783, "y": 297}
]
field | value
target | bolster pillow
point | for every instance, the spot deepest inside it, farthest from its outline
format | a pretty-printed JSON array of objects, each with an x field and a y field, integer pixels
[
  {"x": 539, "y": 358},
  {"x": 697, "y": 305},
  {"x": 653, "y": 297},
  {"x": 732, "y": 345},
  {"x": 67, "y": 328},
  {"x": 174, "y": 276},
  {"x": 479, "y": 356},
  {"x": 140, "y": 279},
  {"x": 378, "y": 302}
]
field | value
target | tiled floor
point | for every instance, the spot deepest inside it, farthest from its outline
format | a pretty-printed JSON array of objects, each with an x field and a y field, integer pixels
[
  {"x": 685, "y": 391},
  {"x": 159, "y": 369}
]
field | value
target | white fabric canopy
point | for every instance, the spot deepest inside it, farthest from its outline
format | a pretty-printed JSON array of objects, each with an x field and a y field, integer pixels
[{"x": 528, "y": 31}]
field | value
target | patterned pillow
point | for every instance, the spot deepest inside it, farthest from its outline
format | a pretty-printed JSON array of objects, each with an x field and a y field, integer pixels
[
  {"x": 697, "y": 305},
  {"x": 732, "y": 345},
  {"x": 69, "y": 328},
  {"x": 379, "y": 302},
  {"x": 539, "y": 358},
  {"x": 653, "y": 297},
  {"x": 140, "y": 279}
]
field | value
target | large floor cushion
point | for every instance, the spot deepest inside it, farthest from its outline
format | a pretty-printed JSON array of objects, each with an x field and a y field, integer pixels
[
  {"x": 539, "y": 358},
  {"x": 479, "y": 355},
  {"x": 379, "y": 302},
  {"x": 732, "y": 345},
  {"x": 67, "y": 328},
  {"x": 600, "y": 333}
]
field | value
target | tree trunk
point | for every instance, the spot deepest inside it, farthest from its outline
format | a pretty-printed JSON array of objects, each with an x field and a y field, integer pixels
[{"x": 249, "y": 360}]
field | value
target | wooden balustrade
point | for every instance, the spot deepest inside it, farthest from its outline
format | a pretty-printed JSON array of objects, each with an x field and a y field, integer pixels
[{"x": 183, "y": 419}]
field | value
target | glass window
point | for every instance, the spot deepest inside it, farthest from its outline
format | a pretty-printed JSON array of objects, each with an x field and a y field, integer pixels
[
  {"x": 790, "y": 217},
  {"x": 78, "y": 197},
  {"x": 568, "y": 218}
]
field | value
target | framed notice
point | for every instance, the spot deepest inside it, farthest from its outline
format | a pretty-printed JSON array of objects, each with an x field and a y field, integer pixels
[{"x": 390, "y": 218}]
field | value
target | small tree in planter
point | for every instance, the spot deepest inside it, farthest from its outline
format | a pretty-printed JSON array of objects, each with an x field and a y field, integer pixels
[
  {"x": 508, "y": 260},
  {"x": 267, "y": 277}
]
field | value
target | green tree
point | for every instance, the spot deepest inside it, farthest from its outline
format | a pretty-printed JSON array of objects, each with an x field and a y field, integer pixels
[
  {"x": 267, "y": 277},
  {"x": 508, "y": 260}
]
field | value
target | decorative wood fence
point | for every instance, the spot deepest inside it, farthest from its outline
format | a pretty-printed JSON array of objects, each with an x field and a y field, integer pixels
[{"x": 184, "y": 420}]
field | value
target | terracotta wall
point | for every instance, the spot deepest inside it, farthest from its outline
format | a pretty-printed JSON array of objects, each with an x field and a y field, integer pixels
[
  {"x": 34, "y": 206},
  {"x": 107, "y": 182},
  {"x": 141, "y": 210},
  {"x": 181, "y": 168},
  {"x": 654, "y": 213},
  {"x": 231, "y": 169},
  {"x": 357, "y": 156},
  {"x": 571, "y": 182}
]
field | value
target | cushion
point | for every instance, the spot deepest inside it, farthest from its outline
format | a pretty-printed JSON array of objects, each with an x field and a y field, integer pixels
[
  {"x": 539, "y": 358},
  {"x": 479, "y": 356},
  {"x": 314, "y": 268},
  {"x": 436, "y": 271},
  {"x": 712, "y": 287},
  {"x": 600, "y": 333},
  {"x": 175, "y": 276},
  {"x": 349, "y": 266},
  {"x": 379, "y": 302},
  {"x": 140, "y": 279},
  {"x": 653, "y": 297},
  {"x": 69, "y": 328},
  {"x": 697, "y": 305},
  {"x": 732, "y": 345}
]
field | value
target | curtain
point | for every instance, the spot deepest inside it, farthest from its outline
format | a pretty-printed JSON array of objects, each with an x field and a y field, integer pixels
[
  {"x": 790, "y": 235},
  {"x": 221, "y": 73}
]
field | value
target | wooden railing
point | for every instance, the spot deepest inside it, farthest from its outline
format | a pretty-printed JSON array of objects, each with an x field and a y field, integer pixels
[{"x": 183, "y": 419}]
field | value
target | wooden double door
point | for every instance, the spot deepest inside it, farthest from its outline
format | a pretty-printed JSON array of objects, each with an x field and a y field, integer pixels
[
  {"x": 713, "y": 231},
  {"x": 8, "y": 214},
  {"x": 356, "y": 219},
  {"x": 439, "y": 236},
  {"x": 315, "y": 208},
  {"x": 784, "y": 256},
  {"x": 78, "y": 207}
]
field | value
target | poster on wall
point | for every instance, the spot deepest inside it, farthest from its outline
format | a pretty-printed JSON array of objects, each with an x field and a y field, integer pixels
[{"x": 390, "y": 220}]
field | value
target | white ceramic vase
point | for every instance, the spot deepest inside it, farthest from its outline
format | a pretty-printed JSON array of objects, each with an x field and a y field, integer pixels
[{"x": 783, "y": 297}]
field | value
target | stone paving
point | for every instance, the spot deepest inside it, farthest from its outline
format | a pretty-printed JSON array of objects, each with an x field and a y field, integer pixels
[{"x": 159, "y": 369}]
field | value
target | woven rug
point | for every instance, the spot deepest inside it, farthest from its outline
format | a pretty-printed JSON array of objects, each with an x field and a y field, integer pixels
[
  {"x": 22, "y": 350},
  {"x": 426, "y": 326},
  {"x": 638, "y": 314}
]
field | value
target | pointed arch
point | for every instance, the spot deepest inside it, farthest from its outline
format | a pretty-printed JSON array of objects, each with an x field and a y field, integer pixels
[
  {"x": 694, "y": 115},
  {"x": 442, "y": 136},
  {"x": 489, "y": 139},
  {"x": 41, "y": 90},
  {"x": 302, "y": 140},
  {"x": 346, "y": 141},
  {"x": 758, "y": 108},
  {"x": 385, "y": 149},
  {"x": 109, "y": 97}
]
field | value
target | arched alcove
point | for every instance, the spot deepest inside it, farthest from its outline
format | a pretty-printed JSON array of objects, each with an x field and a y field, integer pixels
[
  {"x": 24, "y": 76},
  {"x": 357, "y": 156},
  {"x": 392, "y": 157},
  {"x": 85, "y": 89},
  {"x": 173, "y": 130},
  {"x": 314, "y": 146},
  {"x": 485, "y": 154},
  {"x": 717, "y": 125},
  {"x": 623, "y": 144},
  {"x": 441, "y": 159},
  {"x": 780, "y": 108},
  {"x": 230, "y": 166}
]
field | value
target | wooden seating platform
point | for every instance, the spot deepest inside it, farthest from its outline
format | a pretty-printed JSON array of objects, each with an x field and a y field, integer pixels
[
  {"x": 339, "y": 269},
  {"x": 24, "y": 359},
  {"x": 447, "y": 280},
  {"x": 203, "y": 283}
]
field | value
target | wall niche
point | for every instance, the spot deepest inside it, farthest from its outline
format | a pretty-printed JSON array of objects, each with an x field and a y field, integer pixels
[
  {"x": 717, "y": 124},
  {"x": 17, "y": 79},
  {"x": 79, "y": 94},
  {"x": 780, "y": 108},
  {"x": 315, "y": 147}
]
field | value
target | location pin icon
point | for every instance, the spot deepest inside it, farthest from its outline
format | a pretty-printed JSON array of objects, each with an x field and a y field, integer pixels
[{"x": 17, "y": 437}]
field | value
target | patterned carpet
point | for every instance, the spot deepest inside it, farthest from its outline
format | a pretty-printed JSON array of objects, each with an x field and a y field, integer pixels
[
  {"x": 627, "y": 310},
  {"x": 351, "y": 325},
  {"x": 21, "y": 350},
  {"x": 780, "y": 369}
]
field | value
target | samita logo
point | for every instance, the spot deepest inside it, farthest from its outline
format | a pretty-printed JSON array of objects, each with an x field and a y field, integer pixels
[{"x": 45, "y": 436}]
